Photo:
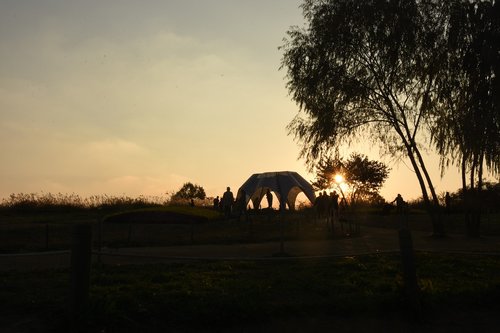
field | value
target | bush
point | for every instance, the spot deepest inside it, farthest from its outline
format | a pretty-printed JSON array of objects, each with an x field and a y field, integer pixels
[{"x": 24, "y": 202}]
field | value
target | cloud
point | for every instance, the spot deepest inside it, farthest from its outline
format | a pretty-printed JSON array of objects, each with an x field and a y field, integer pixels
[
  {"x": 135, "y": 185},
  {"x": 84, "y": 107},
  {"x": 115, "y": 146}
]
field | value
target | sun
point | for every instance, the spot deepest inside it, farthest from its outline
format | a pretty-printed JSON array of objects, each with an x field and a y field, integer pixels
[{"x": 339, "y": 178}]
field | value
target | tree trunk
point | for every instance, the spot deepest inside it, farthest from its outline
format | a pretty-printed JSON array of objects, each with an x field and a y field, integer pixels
[
  {"x": 476, "y": 202},
  {"x": 466, "y": 198},
  {"x": 434, "y": 208},
  {"x": 421, "y": 182},
  {"x": 412, "y": 150},
  {"x": 480, "y": 173},
  {"x": 472, "y": 196},
  {"x": 473, "y": 213},
  {"x": 464, "y": 174},
  {"x": 435, "y": 198},
  {"x": 437, "y": 225}
]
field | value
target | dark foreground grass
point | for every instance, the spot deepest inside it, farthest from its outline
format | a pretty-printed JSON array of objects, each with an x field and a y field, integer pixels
[
  {"x": 41, "y": 230},
  {"x": 251, "y": 296}
]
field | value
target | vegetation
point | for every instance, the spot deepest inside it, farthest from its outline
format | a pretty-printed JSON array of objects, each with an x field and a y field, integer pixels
[
  {"x": 349, "y": 291},
  {"x": 363, "y": 67},
  {"x": 190, "y": 191},
  {"x": 26, "y": 202},
  {"x": 37, "y": 224},
  {"x": 184, "y": 210},
  {"x": 363, "y": 176},
  {"x": 229, "y": 295},
  {"x": 466, "y": 116},
  {"x": 390, "y": 70},
  {"x": 465, "y": 130}
]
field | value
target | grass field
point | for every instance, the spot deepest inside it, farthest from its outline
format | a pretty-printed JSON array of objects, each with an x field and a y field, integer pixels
[
  {"x": 354, "y": 293},
  {"x": 227, "y": 296},
  {"x": 51, "y": 230}
]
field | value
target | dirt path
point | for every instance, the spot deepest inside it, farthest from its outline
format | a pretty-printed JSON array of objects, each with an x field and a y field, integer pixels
[{"x": 372, "y": 240}]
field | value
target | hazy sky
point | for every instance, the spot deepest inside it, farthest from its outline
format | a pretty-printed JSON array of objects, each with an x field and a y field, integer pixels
[{"x": 137, "y": 97}]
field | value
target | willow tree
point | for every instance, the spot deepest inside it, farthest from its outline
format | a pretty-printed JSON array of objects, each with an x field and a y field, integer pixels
[
  {"x": 366, "y": 70},
  {"x": 466, "y": 127}
]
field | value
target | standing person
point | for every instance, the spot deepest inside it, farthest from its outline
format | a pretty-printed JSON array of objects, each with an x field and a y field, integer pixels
[
  {"x": 334, "y": 202},
  {"x": 269, "y": 198},
  {"x": 321, "y": 204},
  {"x": 227, "y": 202},
  {"x": 399, "y": 203},
  {"x": 335, "y": 212},
  {"x": 216, "y": 203}
]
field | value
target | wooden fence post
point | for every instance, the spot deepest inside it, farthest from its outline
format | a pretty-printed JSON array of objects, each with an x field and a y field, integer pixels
[
  {"x": 409, "y": 271},
  {"x": 81, "y": 255},
  {"x": 129, "y": 236},
  {"x": 99, "y": 239},
  {"x": 47, "y": 236},
  {"x": 191, "y": 232}
]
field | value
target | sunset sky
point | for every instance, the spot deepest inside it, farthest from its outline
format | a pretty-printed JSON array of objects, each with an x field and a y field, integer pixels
[{"x": 137, "y": 97}]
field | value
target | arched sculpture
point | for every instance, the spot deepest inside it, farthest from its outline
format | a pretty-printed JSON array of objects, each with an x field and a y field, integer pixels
[{"x": 285, "y": 184}]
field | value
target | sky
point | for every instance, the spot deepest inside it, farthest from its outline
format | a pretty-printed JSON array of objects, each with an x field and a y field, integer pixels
[{"x": 123, "y": 97}]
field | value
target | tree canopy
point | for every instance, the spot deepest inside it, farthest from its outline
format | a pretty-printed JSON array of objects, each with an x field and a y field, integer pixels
[
  {"x": 466, "y": 127},
  {"x": 371, "y": 70},
  {"x": 363, "y": 176},
  {"x": 190, "y": 191}
]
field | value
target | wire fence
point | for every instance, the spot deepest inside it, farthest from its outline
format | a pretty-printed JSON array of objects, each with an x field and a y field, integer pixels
[
  {"x": 46, "y": 245},
  {"x": 61, "y": 259}
]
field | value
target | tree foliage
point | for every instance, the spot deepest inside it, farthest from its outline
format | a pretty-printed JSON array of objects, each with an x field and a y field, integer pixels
[
  {"x": 373, "y": 68},
  {"x": 190, "y": 191},
  {"x": 467, "y": 117},
  {"x": 364, "y": 68},
  {"x": 363, "y": 176},
  {"x": 466, "y": 126},
  {"x": 326, "y": 169}
]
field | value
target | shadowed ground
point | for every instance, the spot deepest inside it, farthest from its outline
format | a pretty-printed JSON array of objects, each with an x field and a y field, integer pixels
[
  {"x": 371, "y": 241},
  {"x": 214, "y": 261}
]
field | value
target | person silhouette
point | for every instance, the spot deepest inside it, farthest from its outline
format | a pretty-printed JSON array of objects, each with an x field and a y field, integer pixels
[
  {"x": 321, "y": 204},
  {"x": 227, "y": 202},
  {"x": 269, "y": 198},
  {"x": 334, "y": 205},
  {"x": 399, "y": 203}
]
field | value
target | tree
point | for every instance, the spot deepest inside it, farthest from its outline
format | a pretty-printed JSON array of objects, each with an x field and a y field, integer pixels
[
  {"x": 467, "y": 117},
  {"x": 366, "y": 67},
  {"x": 363, "y": 176},
  {"x": 326, "y": 169},
  {"x": 190, "y": 191}
]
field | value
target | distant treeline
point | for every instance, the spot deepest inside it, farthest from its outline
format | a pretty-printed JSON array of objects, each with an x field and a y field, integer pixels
[{"x": 488, "y": 199}]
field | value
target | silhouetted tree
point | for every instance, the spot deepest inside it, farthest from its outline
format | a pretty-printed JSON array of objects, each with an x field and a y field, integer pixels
[
  {"x": 467, "y": 117},
  {"x": 190, "y": 191},
  {"x": 366, "y": 68},
  {"x": 326, "y": 169},
  {"x": 363, "y": 176}
]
